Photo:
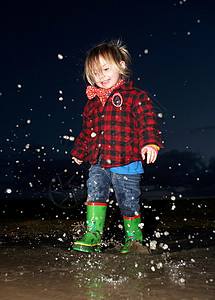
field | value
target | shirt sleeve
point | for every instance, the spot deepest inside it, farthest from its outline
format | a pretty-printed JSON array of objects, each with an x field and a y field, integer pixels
[{"x": 146, "y": 121}]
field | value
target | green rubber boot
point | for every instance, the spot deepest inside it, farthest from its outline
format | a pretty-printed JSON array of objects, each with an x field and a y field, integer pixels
[
  {"x": 91, "y": 241},
  {"x": 133, "y": 233}
]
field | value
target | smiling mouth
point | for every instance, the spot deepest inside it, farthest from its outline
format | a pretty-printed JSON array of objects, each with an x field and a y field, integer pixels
[{"x": 105, "y": 81}]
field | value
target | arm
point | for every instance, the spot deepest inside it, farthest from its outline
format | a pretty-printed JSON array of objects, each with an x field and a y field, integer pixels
[{"x": 149, "y": 135}]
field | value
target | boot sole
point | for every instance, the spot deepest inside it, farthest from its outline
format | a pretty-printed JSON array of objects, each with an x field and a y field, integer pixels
[{"x": 88, "y": 249}]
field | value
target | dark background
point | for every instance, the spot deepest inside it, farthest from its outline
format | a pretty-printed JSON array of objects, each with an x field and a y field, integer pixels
[{"x": 172, "y": 47}]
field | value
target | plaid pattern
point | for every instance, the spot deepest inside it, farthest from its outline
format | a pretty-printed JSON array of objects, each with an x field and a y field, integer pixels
[{"x": 117, "y": 134}]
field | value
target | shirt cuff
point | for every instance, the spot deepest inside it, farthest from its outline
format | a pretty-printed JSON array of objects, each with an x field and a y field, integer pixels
[{"x": 154, "y": 146}]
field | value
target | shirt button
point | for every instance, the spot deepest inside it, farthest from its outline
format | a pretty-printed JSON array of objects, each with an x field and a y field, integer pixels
[
  {"x": 102, "y": 132},
  {"x": 103, "y": 116}
]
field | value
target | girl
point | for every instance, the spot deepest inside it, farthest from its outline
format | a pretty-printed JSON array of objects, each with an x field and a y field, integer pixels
[{"x": 120, "y": 131}]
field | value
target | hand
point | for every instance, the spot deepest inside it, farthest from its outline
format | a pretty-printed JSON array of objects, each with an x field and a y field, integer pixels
[
  {"x": 78, "y": 161},
  {"x": 151, "y": 154}
]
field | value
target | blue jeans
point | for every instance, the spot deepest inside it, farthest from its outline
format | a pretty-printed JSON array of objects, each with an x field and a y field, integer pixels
[{"x": 126, "y": 187}]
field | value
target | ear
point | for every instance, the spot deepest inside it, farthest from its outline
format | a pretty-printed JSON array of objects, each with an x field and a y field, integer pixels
[{"x": 122, "y": 63}]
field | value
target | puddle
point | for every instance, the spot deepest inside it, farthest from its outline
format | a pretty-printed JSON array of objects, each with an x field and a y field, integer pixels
[{"x": 50, "y": 272}]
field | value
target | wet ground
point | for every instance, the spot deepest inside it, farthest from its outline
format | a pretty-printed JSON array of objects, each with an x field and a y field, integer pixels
[
  {"x": 37, "y": 260},
  {"x": 48, "y": 272}
]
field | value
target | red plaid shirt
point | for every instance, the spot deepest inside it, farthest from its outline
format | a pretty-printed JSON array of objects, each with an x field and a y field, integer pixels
[{"x": 118, "y": 130}]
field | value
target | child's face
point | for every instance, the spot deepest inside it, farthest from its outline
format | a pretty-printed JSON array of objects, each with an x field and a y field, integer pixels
[{"x": 109, "y": 74}]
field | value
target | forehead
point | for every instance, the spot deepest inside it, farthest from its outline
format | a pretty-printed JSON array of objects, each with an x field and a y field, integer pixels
[{"x": 101, "y": 62}]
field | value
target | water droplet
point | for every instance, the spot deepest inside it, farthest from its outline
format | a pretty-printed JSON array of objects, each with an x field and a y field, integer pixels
[
  {"x": 93, "y": 134},
  {"x": 60, "y": 56},
  {"x": 153, "y": 245}
]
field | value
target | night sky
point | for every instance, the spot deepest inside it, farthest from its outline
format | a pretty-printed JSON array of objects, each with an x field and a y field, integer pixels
[{"x": 42, "y": 93}]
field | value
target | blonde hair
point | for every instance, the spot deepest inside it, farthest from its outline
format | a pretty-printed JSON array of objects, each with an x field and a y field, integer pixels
[{"x": 113, "y": 52}]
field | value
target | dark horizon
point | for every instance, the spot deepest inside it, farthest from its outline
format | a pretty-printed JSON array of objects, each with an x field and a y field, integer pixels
[{"x": 183, "y": 174}]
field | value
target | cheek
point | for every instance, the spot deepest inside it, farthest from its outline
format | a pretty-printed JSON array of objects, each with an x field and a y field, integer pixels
[
  {"x": 95, "y": 80},
  {"x": 118, "y": 76}
]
